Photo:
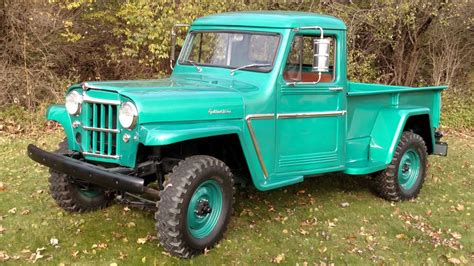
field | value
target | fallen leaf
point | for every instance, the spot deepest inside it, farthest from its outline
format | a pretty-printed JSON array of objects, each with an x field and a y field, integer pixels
[
  {"x": 456, "y": 235},
  {"x": 322, "y": 250},
  {"x": 143, "y": 259},
  {"x": 454, "y": 261},
  {"x": 25, "y": 251},
  {"x": 122, "y": 255},
  {"x": 285, "y": 231},
  {"x": 3, "y": 187},
  {"x": 113, "y": 264},
  {"x": 4, "y": 256},
  {"x": 141, "y": 240},
  {"x": 12, "y": 210},
  {"x": 345, "y": 204},
  {"x": 279, "y": 258},
  {"x": 25, "y": 212},
  {"x": 54, "y": 242},
  {"x": 304, "y": 232},
  {"x": 2, "y": 229},
  {"x": 460, "y": 207},
  {"x": 400, "y": 236},
  {"x": 37, "y": 255},
  {"x": 75, "y": 253}
]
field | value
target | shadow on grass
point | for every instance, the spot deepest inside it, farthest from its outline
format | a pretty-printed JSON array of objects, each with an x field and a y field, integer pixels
[{"x": 322, "y": 187}]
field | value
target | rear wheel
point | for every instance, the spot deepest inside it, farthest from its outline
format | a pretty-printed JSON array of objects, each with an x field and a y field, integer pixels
[
  {"x": 404, "y": 176},
  {"x": 195, "y": 206},
  {"x": 73, "y": 195}
]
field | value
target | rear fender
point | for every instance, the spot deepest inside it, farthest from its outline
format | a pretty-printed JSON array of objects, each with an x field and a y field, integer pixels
[
  {"x": 59, "y": 114},
  {"x": 388, "y": 129}
]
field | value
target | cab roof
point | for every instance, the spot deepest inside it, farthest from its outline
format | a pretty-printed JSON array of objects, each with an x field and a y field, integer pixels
[{"x": 271, "y": 19}]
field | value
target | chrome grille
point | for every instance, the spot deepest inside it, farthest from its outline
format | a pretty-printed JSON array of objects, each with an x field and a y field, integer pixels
[{"x": 100, "y": 137}]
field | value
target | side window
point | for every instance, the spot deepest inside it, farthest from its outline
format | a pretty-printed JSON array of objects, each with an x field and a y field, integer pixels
[{"x": 300, "y": 61}]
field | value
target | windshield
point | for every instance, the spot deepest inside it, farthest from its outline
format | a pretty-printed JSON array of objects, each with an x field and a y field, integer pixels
[{"x": 256, "y": 51}]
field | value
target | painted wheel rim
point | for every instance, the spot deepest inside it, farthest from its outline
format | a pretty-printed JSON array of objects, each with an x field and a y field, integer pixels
[
  {"x": 204, "y": 209},
  {"x": 409, "y": 169},
  {"x": 87, "y": 192}
]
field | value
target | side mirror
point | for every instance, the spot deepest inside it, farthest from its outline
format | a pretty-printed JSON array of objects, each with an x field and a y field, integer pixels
[
  {"x": 321, "y": 48},
  {"x": 173, "y": 43}
]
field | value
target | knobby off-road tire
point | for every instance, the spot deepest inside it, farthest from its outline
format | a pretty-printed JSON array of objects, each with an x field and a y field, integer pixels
[
  {"x": 71, "y": 196},
  {"x": 184, "y": 223},
  {"x": 404, "y": 176}
]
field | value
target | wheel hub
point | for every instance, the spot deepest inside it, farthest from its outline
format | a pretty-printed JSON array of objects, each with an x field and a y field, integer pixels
[
  {"x": 409, "y": 169},
  {"x": 203, "y": 208}
]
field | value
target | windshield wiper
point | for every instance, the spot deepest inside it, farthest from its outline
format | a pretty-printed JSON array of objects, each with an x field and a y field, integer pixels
[
  {"x": 194, "y": 64},
  {"x": 247, "y": 66}
]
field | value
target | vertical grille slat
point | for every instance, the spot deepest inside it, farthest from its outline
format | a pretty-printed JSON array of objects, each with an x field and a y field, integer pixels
[
  {"x": 94, "y": 124},
  {"x": 110, "y": 125},
  {"x": 100, "y": 138},
  {"x": 117, "y": 141},
  {"x": 102, "y": 125}
]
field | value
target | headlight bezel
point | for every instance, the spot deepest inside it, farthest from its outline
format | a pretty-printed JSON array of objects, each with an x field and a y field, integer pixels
[
  {"x": 74, "y": 100},
  {"x": 132, "y": 113}
]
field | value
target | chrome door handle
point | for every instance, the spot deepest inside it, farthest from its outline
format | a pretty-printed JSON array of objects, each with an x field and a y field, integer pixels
[{"x": 336, "y": 89}]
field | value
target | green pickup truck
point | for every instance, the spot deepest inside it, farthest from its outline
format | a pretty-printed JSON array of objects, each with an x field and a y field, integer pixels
[{"x": 256, "y": 97}]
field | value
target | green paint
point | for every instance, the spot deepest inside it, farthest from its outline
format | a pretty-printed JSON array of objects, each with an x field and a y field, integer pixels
[
  {"x": 409, "y": 169},
  {"x": 89, "y": 193},
  {"x": 194, "y": 104},
  {"x": 205, "y": 208},
  {"x": 59, "y": 114}
]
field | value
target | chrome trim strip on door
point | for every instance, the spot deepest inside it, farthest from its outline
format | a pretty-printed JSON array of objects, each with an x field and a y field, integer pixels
[
  {"x": 310, "y": 114},
  {"x": 249, "y": 119}
]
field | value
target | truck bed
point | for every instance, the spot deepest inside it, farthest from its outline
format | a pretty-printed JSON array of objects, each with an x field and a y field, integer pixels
[
  {"x": 357, "y": 89},
  {"x": 372, "y": 110}
]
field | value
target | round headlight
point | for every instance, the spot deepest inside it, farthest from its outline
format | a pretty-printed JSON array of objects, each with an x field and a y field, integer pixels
[
  {"x": 128, "y": 115},
  {"x": 73, "y": 103}
]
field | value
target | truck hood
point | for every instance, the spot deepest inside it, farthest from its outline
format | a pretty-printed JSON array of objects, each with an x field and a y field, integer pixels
[{"x": 173, "y": 100}]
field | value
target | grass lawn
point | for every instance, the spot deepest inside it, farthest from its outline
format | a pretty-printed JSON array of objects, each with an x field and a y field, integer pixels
[{"x": 306, "y": 223}]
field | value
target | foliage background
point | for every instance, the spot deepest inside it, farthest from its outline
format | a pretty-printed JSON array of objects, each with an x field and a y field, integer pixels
[{"x": 47, "y": 45}]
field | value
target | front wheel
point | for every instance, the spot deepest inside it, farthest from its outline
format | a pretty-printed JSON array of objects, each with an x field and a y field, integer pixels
[
  {"x": 404, "y": 176},
  {"x": 195, "y": 206},
  {"x": 73, "y": 195}
]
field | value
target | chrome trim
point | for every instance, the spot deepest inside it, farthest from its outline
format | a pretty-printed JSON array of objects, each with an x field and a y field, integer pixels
[
  {"x": 85, "y": 86},
  {"x": 310, "y": 28},
  {"x": 336, "y": 89},
  {"x": 89, "y": 99},
  {"x": 249, "y": 118},
  {"x": 310, "y": 114},
  {"x": 126, "y": 137},
  {"x": 135, "y": 115},
  {"x": 108, "y": 130},
  {"x": 101, "y": 155}
]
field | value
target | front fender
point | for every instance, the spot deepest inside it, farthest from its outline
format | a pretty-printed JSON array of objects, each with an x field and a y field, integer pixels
[
  {"x": 388, "y": 129},
  {"x": 58, "y": 113},
  {"x": 164, "y": 134}
]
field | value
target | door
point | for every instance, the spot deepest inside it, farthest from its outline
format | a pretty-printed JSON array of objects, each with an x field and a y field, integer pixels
[{"x": 311, "y": 111}]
